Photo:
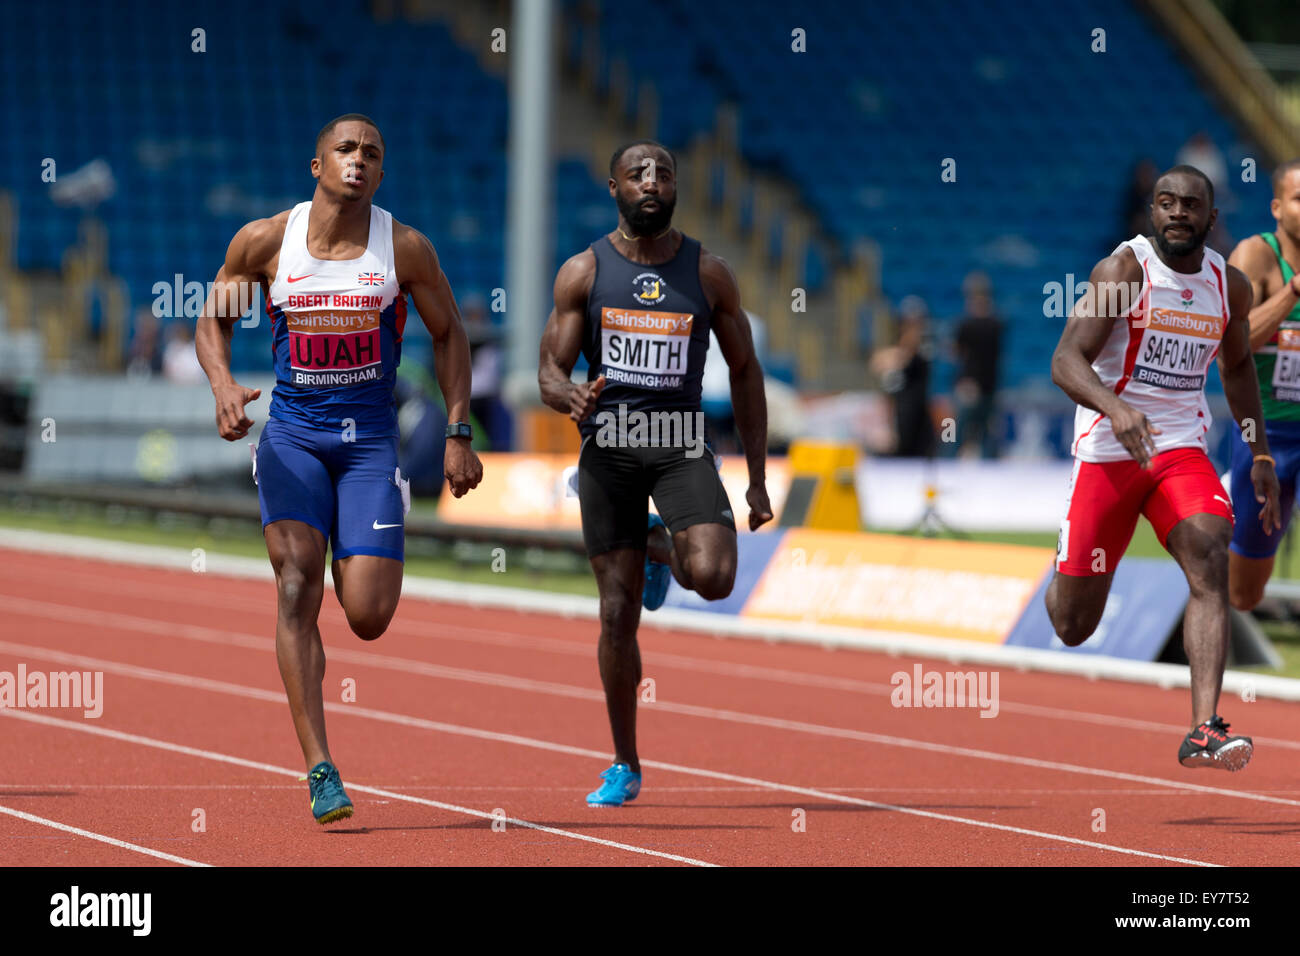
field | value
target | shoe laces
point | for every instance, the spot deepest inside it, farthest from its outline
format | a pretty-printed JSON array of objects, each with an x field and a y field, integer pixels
[
  {"x": 324, "y": 780},
  {"x": 1216, "y": 727}
]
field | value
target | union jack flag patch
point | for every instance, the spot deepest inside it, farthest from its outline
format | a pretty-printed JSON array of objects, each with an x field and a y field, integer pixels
[{"x": 371, "y": 278}]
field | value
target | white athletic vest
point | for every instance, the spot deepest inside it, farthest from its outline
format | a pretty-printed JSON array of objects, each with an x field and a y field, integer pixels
[
  {"x": 336, "y": 329},
  {"x": 1157, "y": 356}
]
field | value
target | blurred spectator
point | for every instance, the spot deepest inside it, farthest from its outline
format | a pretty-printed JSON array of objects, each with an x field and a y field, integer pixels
[
  {"x": 1137, "y": 203},
  {"x": 144, "y": 355},
  {"x": 979, "y": 350},
  {"x": 180, "y": 363},
  {"x": 486, "y": 361},
  {"x": 904, "y": 370},
  {"x": 1200, "y": 151}
]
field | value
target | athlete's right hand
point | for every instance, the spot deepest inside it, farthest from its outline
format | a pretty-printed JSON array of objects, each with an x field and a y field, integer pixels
[
  {"x": 232, "y": 423},
  {"x": 582, "y": 398},
  {"x": 1135, "y": 432}
]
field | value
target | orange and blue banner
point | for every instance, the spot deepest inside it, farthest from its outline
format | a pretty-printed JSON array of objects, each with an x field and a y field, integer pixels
[{"x": 956, "y": 589}]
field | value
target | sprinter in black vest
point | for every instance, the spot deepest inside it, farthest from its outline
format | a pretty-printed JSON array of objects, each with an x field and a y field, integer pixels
[{"x": 639, "y": 304}]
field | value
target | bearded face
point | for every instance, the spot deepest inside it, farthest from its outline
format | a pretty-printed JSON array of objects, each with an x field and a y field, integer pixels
[{"x": 647, "y": 215}]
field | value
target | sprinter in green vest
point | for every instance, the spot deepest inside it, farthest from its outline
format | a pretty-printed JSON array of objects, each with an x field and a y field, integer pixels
[{"x": 1270, "y": 261}]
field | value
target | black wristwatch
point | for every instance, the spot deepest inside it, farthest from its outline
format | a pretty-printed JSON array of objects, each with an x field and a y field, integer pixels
[{"x": 459, "y": 430}]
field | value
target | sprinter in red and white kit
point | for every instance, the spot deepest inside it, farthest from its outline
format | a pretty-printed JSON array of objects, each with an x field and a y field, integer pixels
[{"x": 1134, "y": 355}]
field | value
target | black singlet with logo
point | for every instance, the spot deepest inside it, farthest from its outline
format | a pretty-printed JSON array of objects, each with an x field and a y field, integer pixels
[{"x": 647, "y": 331}]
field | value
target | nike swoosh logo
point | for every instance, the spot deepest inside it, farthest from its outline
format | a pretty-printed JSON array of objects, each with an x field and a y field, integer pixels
[
  {"x": 1202, "y": 742},
  {"x": 380, "y": 527},
  {"x": 299, "y": 278},
  {"x": 1223, "y": 499}
]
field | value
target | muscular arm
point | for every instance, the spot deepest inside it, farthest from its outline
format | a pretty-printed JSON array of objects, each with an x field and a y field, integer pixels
[
  {"x": 1237, "y": 362},
  {"x": 562, "y": 341},
  {"x": 421, "y": 277},
  {"x": 1086, "y": 330},
  {"x": 1113, "y": 288},
  {"x": 1241, "y": 389},
  {"x": 748, "y": 398},
  {"x": 731, "y": 326},
  {"x": 1254, "y": 258},
  {"x": 248, "y": 259}
]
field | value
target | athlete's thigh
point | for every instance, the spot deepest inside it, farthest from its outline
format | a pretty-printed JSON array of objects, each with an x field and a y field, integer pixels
[
  {"x": 688, "y": 493},
  {"x": 295, "y": 546},
  {"x": 1078, "y": 598},
  {"x": 1103, "y": 503},
  {"x": 367, "y": 583},
  {"x": 613, "y": 496},
  {"x": 370, "y": 517},
  {"x": 294, "y": 483},
  {"x": 1187, "y": 486},
  {"x": 714, "y": 544}
]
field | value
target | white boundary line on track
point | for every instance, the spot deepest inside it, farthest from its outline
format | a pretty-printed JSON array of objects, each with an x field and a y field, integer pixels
[
  {"x": 456, "y": 632},
  {"x": 272, "y": 768},
  {"x": 111, "y": 841},
  {"x": 719, "y": 625},
  {"x": 564, "y": 748},
  {"x": 554, "y": 689}
]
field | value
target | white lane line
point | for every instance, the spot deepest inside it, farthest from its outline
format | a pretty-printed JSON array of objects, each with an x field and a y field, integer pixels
[
  {"x": 577, "y": 751},
  {"x": 73, "y": 788},
  {"x": 584, "y": 693},
  {"x": 361, "y": 788},
  {"x": 494, "y": 596},
  {"x": 75, "y": 614},
  {"x": 536, "y": 744},
  {"x": 111, "y": 841}
]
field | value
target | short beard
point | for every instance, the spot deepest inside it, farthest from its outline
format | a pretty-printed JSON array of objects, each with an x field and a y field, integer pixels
[
  {"x": 1182, "y": 247},
  {"x": 646, "y": 224}
]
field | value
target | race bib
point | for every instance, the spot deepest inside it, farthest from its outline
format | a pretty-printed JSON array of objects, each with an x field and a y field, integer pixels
[
  {"x": 1286, "y": 370},
  {"x": 645, "y": 349},
  {"x": 1177, "y": 348},
  {"x": 328, "y": 348}
]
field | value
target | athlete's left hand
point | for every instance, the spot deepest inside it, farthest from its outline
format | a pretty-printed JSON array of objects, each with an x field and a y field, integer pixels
[
  {"x": 760, "y": 509},
  {"x": 1267, "y": 492},
  {"x": 461, "y": 466}
]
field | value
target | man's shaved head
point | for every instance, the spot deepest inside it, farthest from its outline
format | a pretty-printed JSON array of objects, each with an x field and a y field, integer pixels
[
  {"x": 618, "y": 154},
  {"x": 348, "y": 117},
  {"x": 1185, "y": 170}
]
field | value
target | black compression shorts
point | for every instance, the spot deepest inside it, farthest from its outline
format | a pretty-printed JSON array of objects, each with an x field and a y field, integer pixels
[{"x": 614, "y": 485}]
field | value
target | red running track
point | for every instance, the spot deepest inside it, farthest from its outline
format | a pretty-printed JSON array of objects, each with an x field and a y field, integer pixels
[{"x": 464, "y": 713}]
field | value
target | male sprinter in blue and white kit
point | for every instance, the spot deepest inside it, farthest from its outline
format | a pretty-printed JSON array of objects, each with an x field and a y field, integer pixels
[
  {"x": 335, "y": 272},
  {"x": 639, "y": 304},
  {"x": 1269, "y": 261}
]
